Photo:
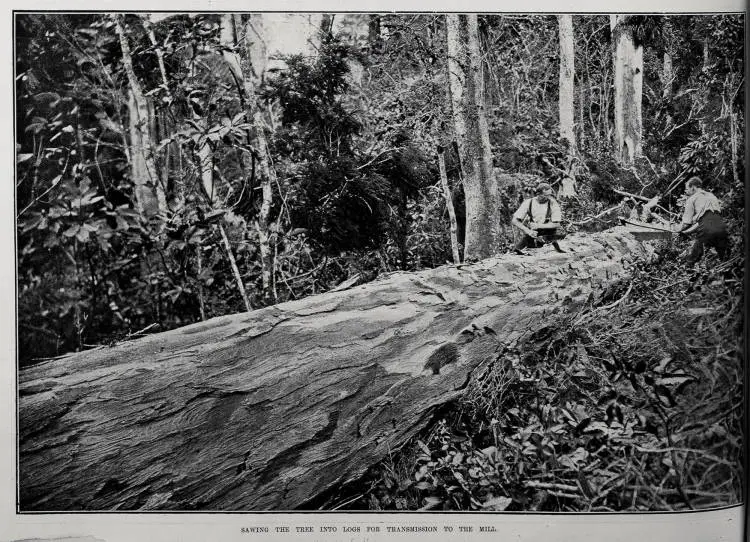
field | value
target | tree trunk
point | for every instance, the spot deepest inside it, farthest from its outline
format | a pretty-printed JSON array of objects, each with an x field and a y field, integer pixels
[
  {"x": 731, "y": 94},
  {"x": 456, "y": 76},
  {"x": 246, "y": 84},
  {"x": 201, "y": 297},
  {"x": 270, "y": 409},
  {"x": 165, "y": 125},
  {"x": 628, "y": 62},
  {"x": 235, "y": 269},
  {"x": 149, "y": 192},
  {"x": 467, "y": 97},
  {"x": 449, "y": 205},
  {"x": 667, "y": 76},
  {"x": 265, "y": 237},
  {"x": 567, "y": 73}
]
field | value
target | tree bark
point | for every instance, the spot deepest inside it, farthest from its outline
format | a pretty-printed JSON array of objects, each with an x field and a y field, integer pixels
[
  {"x": 667, "y": 76},
  {"x": 150, "y": 194},
  {"x": 270, "y": 409},
  {"x": 731, "y": 94},
  {"x": 449, "y": 205},
  {"x": 457, "y": 60},
  {"x": 628, "y": 62},
  {"x": 464, "y": 71},
  {"x": 265, "y": 236},
  {"x": 567, "y": 73}
]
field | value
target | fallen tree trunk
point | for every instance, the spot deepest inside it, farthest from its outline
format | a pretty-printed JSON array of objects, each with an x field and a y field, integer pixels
[{"x": 267, "y": 410}]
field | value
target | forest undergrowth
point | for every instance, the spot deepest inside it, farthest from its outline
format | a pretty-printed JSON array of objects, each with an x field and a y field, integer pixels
[{"x": 633, "y": 404}]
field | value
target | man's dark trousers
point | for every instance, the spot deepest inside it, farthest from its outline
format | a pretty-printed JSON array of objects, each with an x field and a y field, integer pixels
[{"x": 711, "y": 232}]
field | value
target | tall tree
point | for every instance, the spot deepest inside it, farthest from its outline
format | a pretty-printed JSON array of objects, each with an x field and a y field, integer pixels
[
  {"x": 470, "y": 122},
  {"x": 247, "y": 81},
  {"x": 628, "y": 62},
  {"x": 249, "y": 37},
  {"x": 567, "y": 72},
  {"x": 456, "y": 74},
  {"x": 566, "y": 100},
  {"x": 257, "y": 53},
  {"x": 667, "y": 75}
]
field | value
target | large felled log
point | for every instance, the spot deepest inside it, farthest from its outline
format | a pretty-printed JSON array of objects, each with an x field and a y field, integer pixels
[{"x": 267, "y": 409}]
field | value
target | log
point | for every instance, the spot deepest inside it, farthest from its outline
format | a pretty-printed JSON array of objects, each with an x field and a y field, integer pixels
[{"x": 268, "y": 410}]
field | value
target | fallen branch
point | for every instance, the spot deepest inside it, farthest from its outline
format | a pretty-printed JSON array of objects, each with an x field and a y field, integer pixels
[
  {"x": 642, "y": 198},
  {"x": 605, "y": 307},
  {"x": 595, "y": 217},
  {"x": 546, "y": 485}
]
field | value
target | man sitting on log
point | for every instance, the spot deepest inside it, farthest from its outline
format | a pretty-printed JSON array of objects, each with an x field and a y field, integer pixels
[
  {"x": 702, "y": 215},
  {"x": 538, "y": 219}
]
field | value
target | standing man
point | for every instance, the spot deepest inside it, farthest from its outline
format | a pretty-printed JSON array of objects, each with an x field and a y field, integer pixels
[
  {"x": 538, "y": 217},
  {"x": 702, "y": 215}
]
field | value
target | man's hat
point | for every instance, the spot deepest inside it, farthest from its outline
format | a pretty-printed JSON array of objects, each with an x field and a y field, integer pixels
[{"x": 543, "y": 188}]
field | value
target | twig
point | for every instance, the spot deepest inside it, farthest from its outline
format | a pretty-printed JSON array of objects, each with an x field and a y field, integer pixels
[
  {"x": 547, "y": 485},
  {"x": 606, "y": 211},
  {"x": 140, "y": 332},
  {"x": 642, "y": 198},
  {"x": 37, "y": 199},
  {"x": 376, "y": 157},
  {"x": 672, "y": 284},
  {"x": 678, "y": 493},
  {"x": 605, "y": 307},
  {"x": 686, "y": 450},
  {"x": 564, "y": 495},
  {"x": 354, "y": 499},
  {"x": 628, "y": 194}
]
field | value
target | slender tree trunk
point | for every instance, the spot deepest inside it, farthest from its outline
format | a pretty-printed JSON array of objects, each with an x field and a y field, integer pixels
[
  {"x": 488, "y": 228},
  {"x": 566, "y": 101},
  {"x": 206, "y": 163},
  {"x": 235, "y": 269},
  {"x": 567, "y": 72},
  {"x": 706, "y": 56},
  {"x": 255, "y": 47},
  {"x": 149, "y": 192},
  {"x": 257, "y": 50},
  {"x": 146, "y": 19},
  {"x": 201, "y": 298},
  {"x": 246, "y": 83},
  {"x": 456, "y": 76},
  {"x": 449, "y": 205},
  {"x": 667, "y": 75},
  {"x": 268, "y": 179},
  {"x": 628, "y": 62},
  {"x": 733, "y": 138},
  {"x": 464, "y": 71},
  {"x": 164, "y": 124}
]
